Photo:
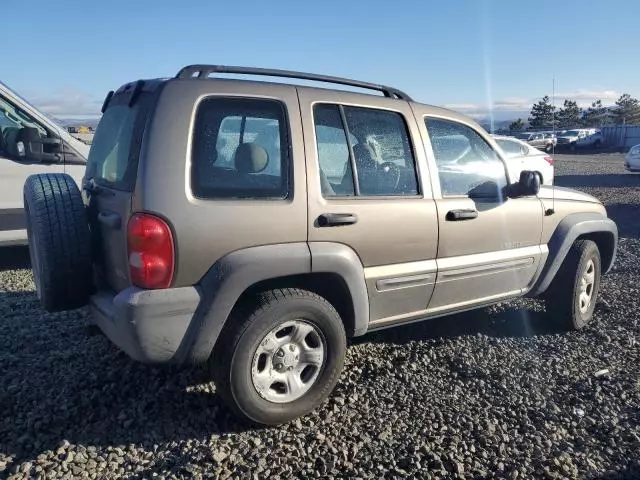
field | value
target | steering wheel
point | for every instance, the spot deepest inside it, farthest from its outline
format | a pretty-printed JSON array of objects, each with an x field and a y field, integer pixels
[{"x": 392, "y": 172}]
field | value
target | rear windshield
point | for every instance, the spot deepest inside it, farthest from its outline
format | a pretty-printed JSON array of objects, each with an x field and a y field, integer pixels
[{"x": 114, "y": 150}]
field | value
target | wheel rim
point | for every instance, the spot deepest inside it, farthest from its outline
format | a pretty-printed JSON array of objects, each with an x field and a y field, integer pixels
[
  {"x": 288, "y": 361},
  {"x": 587, "y": 282}
]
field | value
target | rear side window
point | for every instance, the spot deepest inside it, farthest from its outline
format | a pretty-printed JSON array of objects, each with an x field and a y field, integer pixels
[
  {"x": 382, "y": 154},
  {"x": 512, "y": 149},
  {"x": 240, "y": 149},
  {"x": 112, "y": 159}
]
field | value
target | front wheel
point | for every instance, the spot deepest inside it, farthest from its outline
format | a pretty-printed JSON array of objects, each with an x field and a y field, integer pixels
[
  {"x": 571, "y": 297},
  {"x": 281, "y": 356}
]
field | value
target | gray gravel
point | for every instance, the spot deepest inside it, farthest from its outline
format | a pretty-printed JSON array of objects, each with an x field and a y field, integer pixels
[{"x": 497, "y": 393}]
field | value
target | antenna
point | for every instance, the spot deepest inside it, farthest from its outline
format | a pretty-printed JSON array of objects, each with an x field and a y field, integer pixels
[{"x": 552, "y": 210}]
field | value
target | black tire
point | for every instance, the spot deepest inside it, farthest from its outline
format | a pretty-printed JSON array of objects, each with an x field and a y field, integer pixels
[
  {"x": 232, "y": 361},
  {"x": 59, "y": 241},
  {"x": 562, "y": 298},
  {"x": 548, "y": 148}
]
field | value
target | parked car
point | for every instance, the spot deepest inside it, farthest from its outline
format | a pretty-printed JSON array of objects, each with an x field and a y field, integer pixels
[
  {"x": 632, "y": 159},
  {"x": 580, "y": 138},
  {"x": 30, "y": 142},
  {"x": 521, "y": 156},
  {"x": 255, "y": 226},
  {"x": 540, "y": 140}
]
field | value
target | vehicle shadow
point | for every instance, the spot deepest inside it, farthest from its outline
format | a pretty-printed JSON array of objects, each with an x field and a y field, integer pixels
[
  {"x": 629, "y": 472},
  {"x": 12, "y": 258},
  {"x": 605, "y": 180},
  {"x": 627, "y": 217},
  {"x": 513, "y": 321},
  {"x": 62, "y": 383}
]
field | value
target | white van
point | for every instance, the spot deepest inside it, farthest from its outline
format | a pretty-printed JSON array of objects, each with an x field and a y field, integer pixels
[{"x": 30, "y": 142}]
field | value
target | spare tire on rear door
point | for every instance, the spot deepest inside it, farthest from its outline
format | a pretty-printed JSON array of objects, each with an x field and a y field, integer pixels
[{"x": 59, "y": 241}]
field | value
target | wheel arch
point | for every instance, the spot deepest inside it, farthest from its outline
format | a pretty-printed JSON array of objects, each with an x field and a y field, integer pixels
[
  {"x": 331, "y": 270},
  {"x": 592, "y": 226}
]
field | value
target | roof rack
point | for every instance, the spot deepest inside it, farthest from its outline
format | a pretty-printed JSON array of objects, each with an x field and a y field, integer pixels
[{"x": 203, "y": 71}]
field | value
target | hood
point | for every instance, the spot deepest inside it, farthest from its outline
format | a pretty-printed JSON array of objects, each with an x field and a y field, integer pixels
[{"x": 563, "y": 193}]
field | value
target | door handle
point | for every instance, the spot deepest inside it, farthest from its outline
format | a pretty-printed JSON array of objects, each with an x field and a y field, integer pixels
[
  {"x": 110, "y": 219},
  {"x": 335, "y": 219},
  {"x": 458, "y": 215}
]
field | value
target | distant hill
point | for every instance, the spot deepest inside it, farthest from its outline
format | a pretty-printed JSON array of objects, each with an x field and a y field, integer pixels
[{"x": 76, "y": 122}]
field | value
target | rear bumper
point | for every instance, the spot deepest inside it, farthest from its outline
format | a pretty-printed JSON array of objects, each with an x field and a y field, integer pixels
[{"x": 148, "y": 325}]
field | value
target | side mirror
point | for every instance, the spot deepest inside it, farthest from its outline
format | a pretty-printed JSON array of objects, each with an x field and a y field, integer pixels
[
  {"x": 528, "y": 185},
  {"x": 31, "y": 146}
]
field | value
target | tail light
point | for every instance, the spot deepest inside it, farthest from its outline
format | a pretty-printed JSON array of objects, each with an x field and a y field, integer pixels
[
  {"x": 151, "y": 252},
  {"x": 549, "y": 159}
]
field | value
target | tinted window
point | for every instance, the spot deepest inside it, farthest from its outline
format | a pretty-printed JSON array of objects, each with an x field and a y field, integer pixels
[
  {"x": 240, "y": 149},
  {"x": 467, "y": 165},
  {"x": 110, "y": 160},
  {"x": 382, "y": 154}
]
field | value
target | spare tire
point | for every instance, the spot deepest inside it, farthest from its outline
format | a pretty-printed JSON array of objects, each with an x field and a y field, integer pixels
[{"x": 59, "y": 241}]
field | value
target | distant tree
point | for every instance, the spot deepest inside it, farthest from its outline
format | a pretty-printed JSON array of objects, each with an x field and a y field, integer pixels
[
  {"x": 628, "y": 110},
  {"x": 569, "y": 115},
  {"x": 516, "y": 126},
  {"x": 595, "y": 115},
  {"x": 542, "y": 113}
]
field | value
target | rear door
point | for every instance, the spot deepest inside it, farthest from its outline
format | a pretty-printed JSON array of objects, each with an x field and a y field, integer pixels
[
  {"x": 110, "y": 179},
  {"x": 363, "y": 179}
]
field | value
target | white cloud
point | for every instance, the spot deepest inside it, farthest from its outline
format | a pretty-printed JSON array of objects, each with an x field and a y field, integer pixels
[
  {"x": 67, "y": 103},
  {"x": 518, "y": 105},
  {"x": 588, "y": 96}
]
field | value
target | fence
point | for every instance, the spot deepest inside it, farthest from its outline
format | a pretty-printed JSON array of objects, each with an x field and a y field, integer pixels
[{"x": 621, "y": 136}]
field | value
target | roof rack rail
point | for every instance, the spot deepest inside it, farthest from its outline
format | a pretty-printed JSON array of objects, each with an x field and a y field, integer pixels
[{"x": 203, "y": 71}]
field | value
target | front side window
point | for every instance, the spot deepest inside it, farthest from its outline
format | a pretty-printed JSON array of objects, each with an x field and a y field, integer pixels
[
  {"x": 240, "y": 149},
  {"x": 370, "y": 142},
  {"x": 467, "y": 165},
  {"x": 16, "y": 128}
]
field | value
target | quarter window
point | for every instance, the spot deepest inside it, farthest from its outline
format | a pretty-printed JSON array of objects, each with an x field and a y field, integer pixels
[
  {"x": 372, "y": 143},
  {"x": 240, "y": 149},
  {"x": 467, "y": 165}
]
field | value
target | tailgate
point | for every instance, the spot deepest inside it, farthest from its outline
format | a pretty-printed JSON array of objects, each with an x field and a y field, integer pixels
[{"x": 110, "y": 180}]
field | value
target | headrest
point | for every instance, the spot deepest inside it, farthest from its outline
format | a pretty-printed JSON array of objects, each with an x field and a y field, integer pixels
[
  {"x": 365, "y": 156},
  {"x": 29, "y": 134},
  {"x": 251, "y": 158}
]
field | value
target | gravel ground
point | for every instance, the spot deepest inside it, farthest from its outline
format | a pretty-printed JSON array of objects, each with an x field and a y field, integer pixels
[{"x": 497, "y": 393}]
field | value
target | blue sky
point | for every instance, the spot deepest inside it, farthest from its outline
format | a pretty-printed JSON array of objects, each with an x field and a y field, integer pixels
[{"x": 65, "y": 55}]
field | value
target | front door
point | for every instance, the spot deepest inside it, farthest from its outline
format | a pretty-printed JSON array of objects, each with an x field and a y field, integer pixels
[
  {"x": 15, "y": 167},
  {"x": 365, "y": 192},
  {"x": 489, "y": 247}
]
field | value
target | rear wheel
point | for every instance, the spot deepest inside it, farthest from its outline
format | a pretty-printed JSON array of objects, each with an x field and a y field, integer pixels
[
  {"x": 59, "y": 241},
  {"x": 571, "y": 297},
  {"x": 281, "y": 357}
]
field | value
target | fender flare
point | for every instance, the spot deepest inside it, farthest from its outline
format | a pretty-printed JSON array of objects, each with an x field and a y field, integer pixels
[
  {"x": 224, "y": 283},
  {"x": 568, "y": 230}
]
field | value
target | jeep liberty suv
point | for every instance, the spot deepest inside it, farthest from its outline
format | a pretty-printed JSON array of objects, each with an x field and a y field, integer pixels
[{"x": 254, "y": 226}]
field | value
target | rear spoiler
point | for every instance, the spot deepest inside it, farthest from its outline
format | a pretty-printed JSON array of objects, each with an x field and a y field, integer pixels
[{"x": 131, "y": 89}]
